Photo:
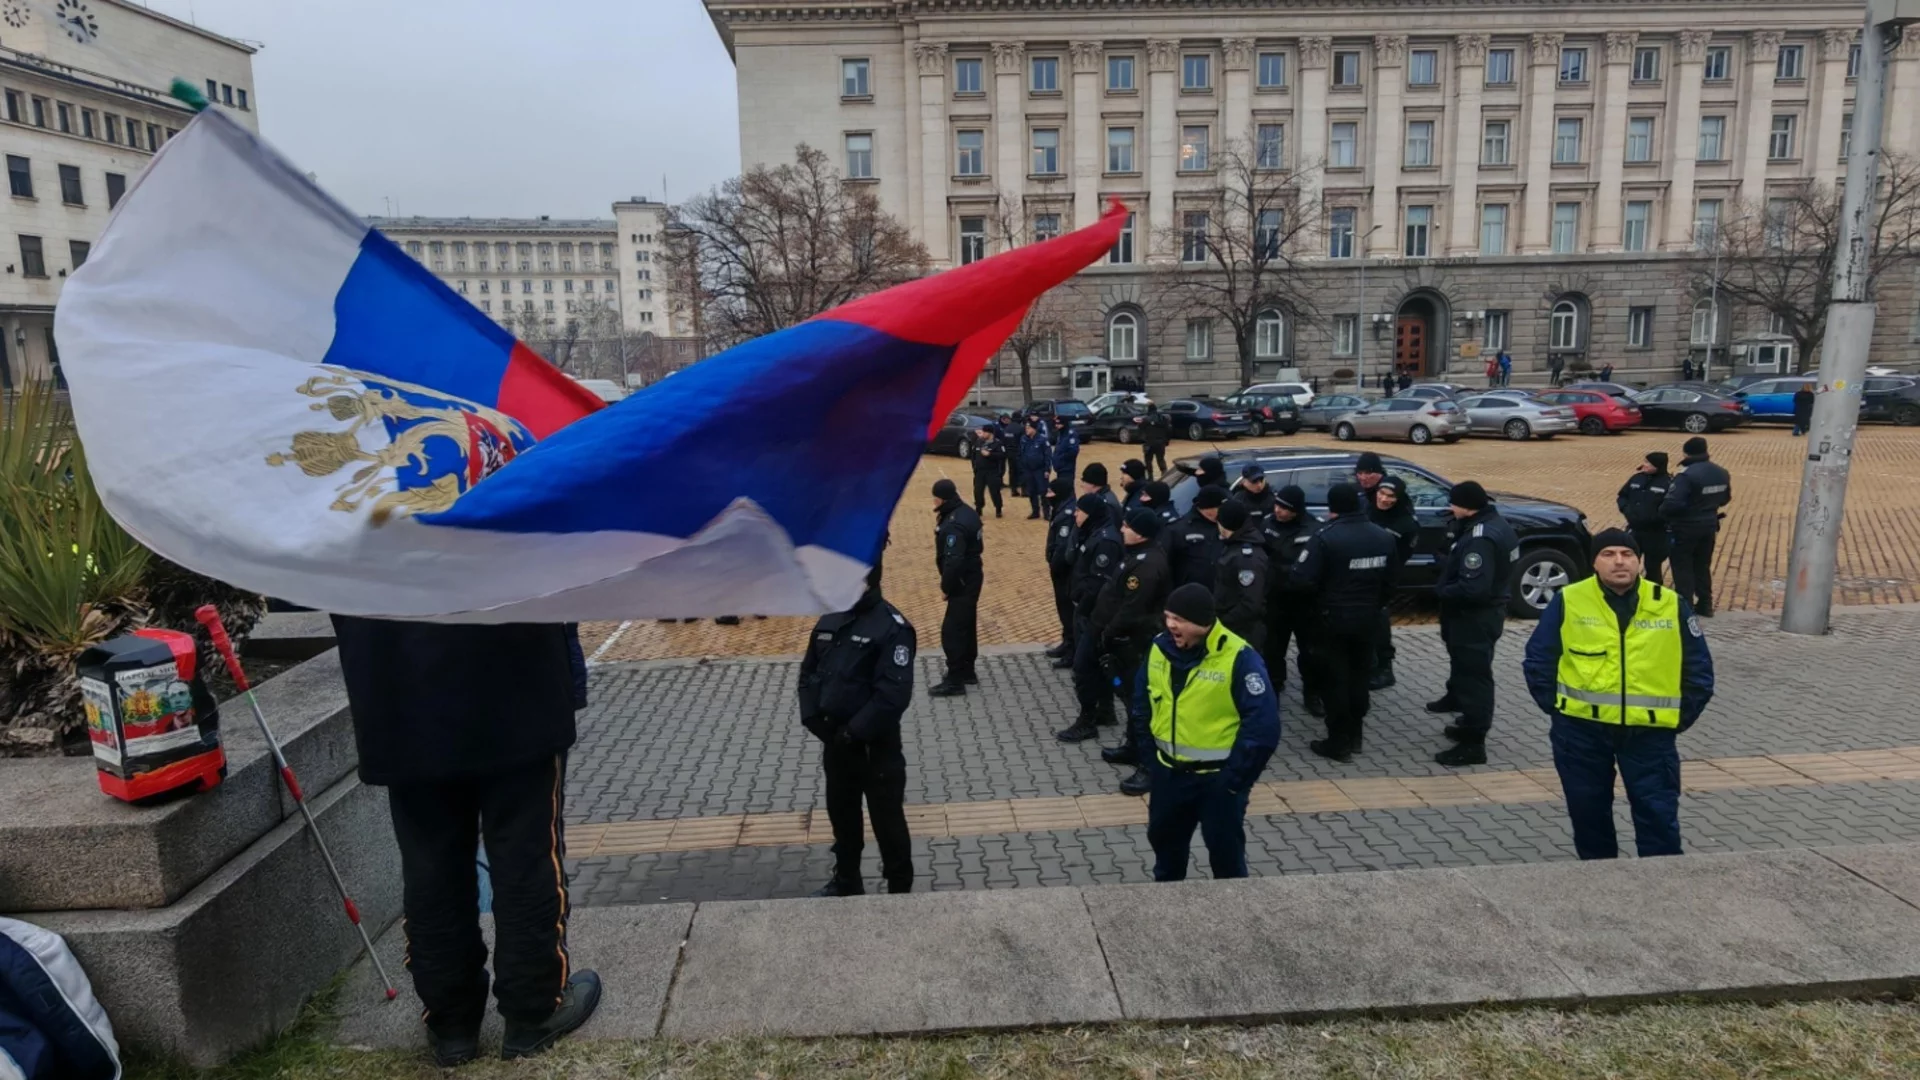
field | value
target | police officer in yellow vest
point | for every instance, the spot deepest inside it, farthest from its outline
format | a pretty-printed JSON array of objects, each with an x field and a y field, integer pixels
[
  {"x": 1215, "y": 720},
  {"x": 1620, "y": 664}
]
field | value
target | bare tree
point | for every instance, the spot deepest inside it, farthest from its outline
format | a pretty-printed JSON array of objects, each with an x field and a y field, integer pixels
[
  {"x": 1778, "y": 257},
  {"x": 1235, "y": 259},
  {"x": 777, "y": 246},
  {"x": 553, "y": 336},
  {"x": 1011, "y": 225}
]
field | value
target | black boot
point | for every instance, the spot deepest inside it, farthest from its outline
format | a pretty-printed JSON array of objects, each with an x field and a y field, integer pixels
[
  {"x": 1082, "y": 730},
  {"x": 577, "y": 1003},
  {"x": 1381, "y": 678},
  {"x": 728, "y": 620},
  {"x": 1065, "y": 648},
  {"x": 1316, "y": 708},
  {"x": 1444, "y": 705},
  {"x": 1063, "y": 663},
  {"x": 1471, "y": 751},
  {"x": 1136, "y": 784},
  {"x": 1327, "y": 748},
  {"x": 947, "y": 689},
  {"x": 1456, "y": 733},
  {"x": 455, "y": 1049},
  {"x": 1105, "y": 717},
  {"x": 1120, "y": 755},
  {"x": 841, "y": 887}
]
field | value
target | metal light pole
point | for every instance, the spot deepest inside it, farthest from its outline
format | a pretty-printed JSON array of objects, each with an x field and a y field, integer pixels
[
  {"x": 1849, "y": 337},
  {"x": 1713, "y": 308},
  {"x": 1363, "y": 322}
]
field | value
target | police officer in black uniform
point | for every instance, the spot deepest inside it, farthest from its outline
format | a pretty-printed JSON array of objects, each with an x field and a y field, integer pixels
[
  {"x": 855, "y": 683},
  {"x": 1194, "y": 548},
  {"x": 1093, "y": 481},
  {"x": 1241, "y": 574},
  {"x": 1094, "y": 563},
  {"x": 957, "y": 548},
  {"x": 1157, "y": 497},
  {"x": 1692, "y": 510},
  {"x": 1061, "y": 543},
  {"x": 1291, "y": 611},
  {"x": 1349, "y": 564},
  {"x": 1008, "y": 434},
  {"x": 1254, "y": 494},
  {"x": 1133, "y": 487},
  {"x": 1155, "y": 429},
  {"x": 1392, "y": 511},
  {"x": 989, "y": 464},
  {"x": 1127, "y": 615},
  {"x": 1473, "y": 591},
  {"x": 1639, "y": 503},
  {"x": 1035, "y": 455}
]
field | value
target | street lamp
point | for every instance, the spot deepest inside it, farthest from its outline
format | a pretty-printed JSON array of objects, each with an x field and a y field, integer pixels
[
  {"x": 1360, "y": 249},
  {"x": 1713, "y": 295}
]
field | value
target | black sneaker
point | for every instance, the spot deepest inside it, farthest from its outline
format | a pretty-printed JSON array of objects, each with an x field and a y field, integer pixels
[
  {"x": 1467, "y": 753},
  {"x": 1136, "y": 784},
  {"x": 728, "y": 620},
  {"x": 577, "y": 1003},
  {"x": 1120, "y": 755},
  {"x": 839, "y": 887},
  {"x": 1331, "y": 750},
  {"x": 1105, "y": 719},
  {"x": 947, "y": 689},
  {"x": 1444, "y": 705},
  {"x": 896, "y": 887},
  {"x": 454, "y": 1050},
  {"x": 1081, "y": 731}
]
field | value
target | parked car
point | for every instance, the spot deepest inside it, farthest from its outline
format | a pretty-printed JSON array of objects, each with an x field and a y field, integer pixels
[
  {"x": 1115, "y": 397},
  {"x": 1119, "y": 422},
  {"x": 1266, "y": 412},
  {"x": 1690, "y": 407},
  {"x": 1742, "y": 381},
  {"x": 1891, "y": 397},
  {"x": 1300, "y": 392},
  {"x": 1553, "y": 536},
  {"x": 956, "y": 435},
  {"x": 1206, "y": 418},
  {"x": 1772, "y": 399},
  {"x": 1330, "y": 407},
  {"x": 1594, "y": 412},
  {"x": 1414, "y": 419},
  {"x": 1072, "y": 410},
  {"x": 1436, "y": 391},
  {"x": 1621, "y": 390},
  {"x": 605, "y": 389},
  {"x": 1515, "y": 416}
]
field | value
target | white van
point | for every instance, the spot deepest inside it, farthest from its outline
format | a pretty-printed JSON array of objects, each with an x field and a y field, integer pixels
[{"x": 1300, "y": 392}]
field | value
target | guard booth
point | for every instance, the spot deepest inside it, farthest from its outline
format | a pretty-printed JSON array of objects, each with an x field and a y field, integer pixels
[
  {"x": 1765, "y": 354},
  {"x": 1088, "y": 377}
]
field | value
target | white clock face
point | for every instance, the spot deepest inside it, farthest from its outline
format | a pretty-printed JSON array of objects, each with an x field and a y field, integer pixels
[
  {"x": 77, "y": 20},
  {"x": 16, "y": 12}
]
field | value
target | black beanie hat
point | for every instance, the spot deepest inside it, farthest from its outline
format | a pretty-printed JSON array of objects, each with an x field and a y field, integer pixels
[
  {"x": 1658, "y": 459},
  {"x": 1395, "y": 485},
  {"x": 1193, "y": 603},
  {"x": 1233, "y": 514},
  {"x": 1094, "y": 504},
  {"x": 1156, "y": 493},
  {"x": 1369, "y": 462},
  {"x": 944, "y": 489},
  {"x": 1095, "y": 473},
  {"x": 1060, "y": 487},
  {"x": 1695, "y": 447},
  {"x": 1469, "y": 495},
  {"x": 1344, "y": 498},
  {"x": 1213, "y": 471},
  {"x": 1292, "y": 497},
  {"x": 1144, "y": 522},
  {"x": 1210, "y": 496},
  {"x": 1607, "y": 538},
  {"x": 1135, "y": 468}
]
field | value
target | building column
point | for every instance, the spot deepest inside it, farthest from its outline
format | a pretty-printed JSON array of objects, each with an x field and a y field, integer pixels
[
  {"x": 935, "y": 165},
  {"x": 1310, "y": 119},
  {"x": 1683, "y": 139},
  {"x": 1823, "y": 142},
  {"x": 1463, "y": 174},
  {"x": 1389, "y": 133},
  {"x": 1543, "y": 76},
  {"x": 1088, "y": 143},
  {"x": 1010, "y": 146},
  {"x": 1763, "y": 52},
  {"x": 1237, "y": 54},
  {"x": 1902, "y": 134},
  {"x": 1609, "y": 137},
  {"x": 1161, "y": 139},
  {"x": 912, "y": 197}
]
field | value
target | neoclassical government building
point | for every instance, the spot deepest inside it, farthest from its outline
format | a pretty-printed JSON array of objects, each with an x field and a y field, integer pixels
[{"x": 1548, "y": 178}]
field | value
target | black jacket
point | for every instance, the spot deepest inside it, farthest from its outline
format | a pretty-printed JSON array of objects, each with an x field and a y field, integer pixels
[
  {"x": 1093, "y": 563},
  {"x": 957, "y": 547},
  {"x": 1156, "y": 428},
  {"x": 1259, "y": 504},
  {"x": 1240, "y": 584},
  {"x": 1061, "y": 540},
  {"x": 1127, "y": 613},
  {"x": 1401, "y": 522},
  {"x": 1286, "y": 542},
  {"x": 1696, "y": 497},
  {"x": 989, "y": 456},
  {"x": 1640, "y": 498},
  {"x": 448, "y": 701},
  {"x": 1479, "y": 568},
  {"x": 1193, "y": 547},
  {"x": 1349, "y": 567},
  {"x": 857, "y": 678}
]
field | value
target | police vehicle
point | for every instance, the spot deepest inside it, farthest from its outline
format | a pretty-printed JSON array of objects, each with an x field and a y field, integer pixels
[{"x": 1553, "y": 536}]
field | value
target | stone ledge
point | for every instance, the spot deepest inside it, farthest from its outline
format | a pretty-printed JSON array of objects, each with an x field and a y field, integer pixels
[{"x": 290, "y": 635}]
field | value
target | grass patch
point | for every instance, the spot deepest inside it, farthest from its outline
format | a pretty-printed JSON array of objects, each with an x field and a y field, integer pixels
[{"x": 1841, "y": 1040}]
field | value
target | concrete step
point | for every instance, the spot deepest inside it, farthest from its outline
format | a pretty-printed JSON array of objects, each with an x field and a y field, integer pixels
[{"x": 290, "y": 635}]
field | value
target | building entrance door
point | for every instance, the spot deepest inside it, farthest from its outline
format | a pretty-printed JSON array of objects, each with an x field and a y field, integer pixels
[{"x": 1410, "y": 346}]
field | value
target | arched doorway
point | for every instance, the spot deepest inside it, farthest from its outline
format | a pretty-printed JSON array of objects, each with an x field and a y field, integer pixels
[{"x": 1420, "y": 335}]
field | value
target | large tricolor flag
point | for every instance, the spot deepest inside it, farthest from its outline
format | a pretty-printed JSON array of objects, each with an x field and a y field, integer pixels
[{"x": 273, "y": 394}]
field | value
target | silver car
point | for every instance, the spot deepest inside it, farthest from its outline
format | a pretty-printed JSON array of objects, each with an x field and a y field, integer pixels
[
  {"x": 1516, "y": 416},
  {"x": 1412, "y": 419}
]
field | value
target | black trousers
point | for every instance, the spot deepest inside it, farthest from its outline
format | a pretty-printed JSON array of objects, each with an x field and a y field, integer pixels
[
  {"x": 1014, "y": 476},
  {"x": 1383, "y": 651},
  {"x": 960, "y": 631},
  {"x": 1091, "y": 686},
  {"x": 1156, "y": 452},
  {"x": 1693, "y": 568},
  {"x": 1470, "y": 634},
  {"x": 1035, "y": 486},
  {"x": 1346, "y": 662},
  {"x": 877, "y": 773},
  {"x": 1305, "y": 663},
  {"x": 1655, "y": 549},
  {"x": 439, "y": 827},
  {"x": 985, "y": 484},
  {"x": 1063, "y": 600}
]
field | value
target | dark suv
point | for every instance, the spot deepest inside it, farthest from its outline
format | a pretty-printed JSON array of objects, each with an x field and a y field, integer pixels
[
  {"x": 1071, "y": 410},
  {"x": 1891, "y": 397},
  {"x": 1553, "y": 536}
]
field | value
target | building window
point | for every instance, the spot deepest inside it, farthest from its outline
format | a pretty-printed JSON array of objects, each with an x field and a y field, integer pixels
[
  {"x": 484, "y": 288},
  {"x": 87, "y": 123},
  {"x": 461, "y": 287},
  {"x": 240, "y": 98},
  {"x": 1566, "y": 227},
  {"x": 1342, "y": 145},
  {"x": 112, "y": 127},
  {"x": 1566, "y": 141},
  {"x": 1419, "y": 231},
  {"x": 1564, "y": 329},
  {"x": 19, "y": 176},
  {"x": 1846, "y": 135},
  {"x": 1340, "y": 233},
  {"x": 1199, "y": 340},
  {"x": 966, "y": 75},
  {"x": 1119, "y": 74},
  {"x": 1640, "y": 138},
  {"x": 1646, "y": 64},
  {"x": 1045, "y": 227},
  {"x": 1423, "y": 67},
  {"x": 1193, "y": 147},
  {"x": 1121, "y": 254},
  {"x": 1120, "y": 150},
  {"x": 1272, "y": 70},
  {"x": 78, "y": 250},
  {"x": 973, "y": 239},
  {"x": 526, "y": 288},
  {"x": 416, "y": 249},
  {"x": 1495, "y": 143},
  {"x": 13, "y": 105},
  {"x": 1269, "y": 335},
  {"x": 567, "y": 286},
  {"x": 1346, "y": 68},
  {"x": 1346, "y": 335},
  {"x": 548, "y": 305},
  {"x": 1196, "y": 72},
  {"x": 1780, "y": 139},
  {"x": 853, "y": 79},
  {"x": 1790, "y": 64},
  {"x": 860, "y": 157},
  {"x": 1633, "y": 232},
  {"x": 1573, "y": 65},
  {"x": 1050, "y": 349},
  {"x": 1778, "y": 223},
  {"x": 33, "y": 259},
  {"x": 486, "y": 305},
  {"x": 1706, "y": 327},
  {"x": 226, "y": 94},
  {"x": 1046, "y": 74},
  {"x": 546, "y": 286},
  {"x": 63, "y": 114},
  {"x": 1419, "y": 152},
  {"x": 1493, "y": 229},
  {"x": 70, "y": 186},
  {"x": 1268, "y": 231},
  {"x": 1719, "y": 62},
  {"x": 153, "y": 136},
  {"x": 1493, "y": 333},
  {"x": 1270, "y": 142},
  {"x": 39, "y": 112},
  {"x": 1046, "y": 151},
  {"x": 1193, "y": 236},
  {"x": 1123, "y": 338},
  {"x": 1499, "y": 67},
  {"x": 116, "y": 187},
  {"x": 1713, "y": 132},
  {"x": 1640, "y": 328},
  {"x": 971, "y": 153},
  {"x": 1706, "y": 223},
  {"x": 1853, "y": 61}
]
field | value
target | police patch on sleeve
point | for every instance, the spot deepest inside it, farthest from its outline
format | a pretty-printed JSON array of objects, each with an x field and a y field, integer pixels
[
  {"x": 1063, "y": 530},
  {"x": 900, "y": 655},
  {"x": 1255, "y": 684},
  {"x": 1693, "y": 625},
  {"x": 1475, "y": 560},
  {"x": 1100, "y": 560},
  {"x": 952, "y": 539},
  {"x": 1246, "y": 578},
  {"x": 1303, "y": 556}
]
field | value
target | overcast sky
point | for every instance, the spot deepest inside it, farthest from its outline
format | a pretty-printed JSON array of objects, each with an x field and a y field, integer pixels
[{"x": 489, "y": 107}]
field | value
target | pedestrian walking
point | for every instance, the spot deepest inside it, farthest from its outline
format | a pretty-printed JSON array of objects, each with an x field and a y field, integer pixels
[
  {"x": 989, "y": 464},
  {"x": 1506, "y": 368},
  {"x": 1493, "y": 372},
  {"x": 856, "y": 682},
  {"x": 1094, "y": 563},
  {"x": 1156, "y": 428},
  {"x": 1195, "y": 546},
  {"x": 957, "y": 550},
  {"x": 1348, "y": 565},
  {"x": 1639, "y": 501},
  {"x": 1240, "y": 575},
  {"x": 1061, "y": 543},
  {"x": 1473, "y": 591},
  {"x": 1686, "y": 370},
  {"x": 1692, "y": 509},
  {"x": 1291, "y": 611},
  {"x": 1404, "y": 382},
  {"x": 1386, "y": 381},
  {"x": 1803, "y": 408},
  {"x": 1621, "y": 666},
  {"x": 1393, "y": 511},
  {"x": 1206, "y": 762},
  {"x": 1126, "y": 616},
  {"x": 1035, "y": 455},
  {"x": 1556, "y": 367}
]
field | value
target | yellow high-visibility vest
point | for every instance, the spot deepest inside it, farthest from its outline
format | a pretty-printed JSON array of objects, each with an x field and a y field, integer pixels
[
  {"x": 1199, "y": 725},
  {"x": 1613, "y": 675}
]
